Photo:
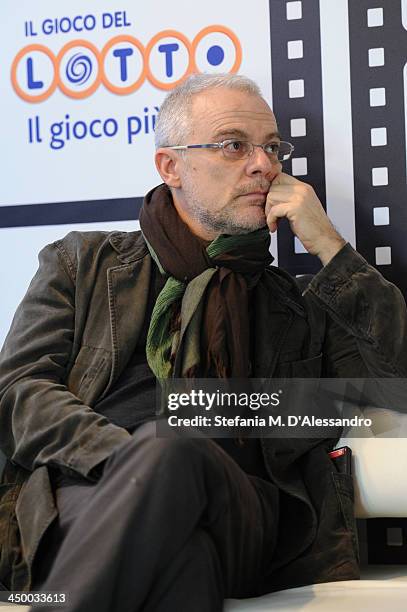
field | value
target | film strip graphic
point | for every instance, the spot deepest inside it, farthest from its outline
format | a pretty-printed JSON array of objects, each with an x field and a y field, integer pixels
[
  {"x": 378, "y": 52},
  {"x": 297, "y": 104}
]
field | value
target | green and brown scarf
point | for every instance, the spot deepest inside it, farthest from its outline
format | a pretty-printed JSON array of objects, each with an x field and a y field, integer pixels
[{"x": 200, "y": 325}]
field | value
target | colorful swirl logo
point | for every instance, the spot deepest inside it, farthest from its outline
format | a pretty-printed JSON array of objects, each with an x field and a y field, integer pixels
[{"x": 79, "y": 69}]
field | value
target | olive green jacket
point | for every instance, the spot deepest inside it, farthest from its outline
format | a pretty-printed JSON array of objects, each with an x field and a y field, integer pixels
[{"x": 73, "y": 335}]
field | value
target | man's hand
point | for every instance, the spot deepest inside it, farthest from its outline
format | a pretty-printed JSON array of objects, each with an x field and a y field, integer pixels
[{"x": 297, "y": 201}]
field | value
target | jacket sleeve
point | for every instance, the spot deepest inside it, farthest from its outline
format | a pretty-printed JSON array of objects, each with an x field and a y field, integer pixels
[
  {"x": 366, "y": 332},
  {"x": 41, "y": 421}
]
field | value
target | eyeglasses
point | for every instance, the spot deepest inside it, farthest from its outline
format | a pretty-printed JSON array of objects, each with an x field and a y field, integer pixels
[{"x": 240, "y": 149}]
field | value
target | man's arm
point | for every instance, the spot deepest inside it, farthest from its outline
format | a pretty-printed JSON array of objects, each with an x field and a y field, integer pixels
[
  {"x": 41, "y": 421},
  {"x": 367, "y": 323}
]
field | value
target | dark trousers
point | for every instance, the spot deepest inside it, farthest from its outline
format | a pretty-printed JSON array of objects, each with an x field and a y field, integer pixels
[{"x": 173, "y": 524}]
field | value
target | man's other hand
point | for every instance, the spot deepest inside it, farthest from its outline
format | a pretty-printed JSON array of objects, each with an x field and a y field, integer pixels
[{"x": 291, "y": 198}]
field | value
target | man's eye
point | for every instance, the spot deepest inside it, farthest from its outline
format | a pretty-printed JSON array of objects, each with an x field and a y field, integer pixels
[
  {"x": 272, "y": 147},
  {"x": 234, "y": 145}
]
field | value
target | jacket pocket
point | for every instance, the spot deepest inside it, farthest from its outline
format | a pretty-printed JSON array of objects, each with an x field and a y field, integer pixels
[
  {"x": 302, "y": 368},
  {"x": 307, "y": 368},
  {"x": 345, "y": 493},
  {"x": 90, "y": 371}
]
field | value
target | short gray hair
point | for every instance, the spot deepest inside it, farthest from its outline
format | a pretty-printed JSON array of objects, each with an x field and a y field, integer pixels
[{"x": 172, "y": 123}]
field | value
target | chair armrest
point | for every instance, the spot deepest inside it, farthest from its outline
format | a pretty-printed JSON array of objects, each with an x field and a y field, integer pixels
[{"x": 379, "y": 470}]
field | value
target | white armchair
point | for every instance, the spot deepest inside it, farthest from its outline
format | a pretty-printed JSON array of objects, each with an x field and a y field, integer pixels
[{"x": 380, "y": 473}]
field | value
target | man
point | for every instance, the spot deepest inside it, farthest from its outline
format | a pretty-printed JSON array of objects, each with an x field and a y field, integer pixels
[{"x": 108, "y": 512}]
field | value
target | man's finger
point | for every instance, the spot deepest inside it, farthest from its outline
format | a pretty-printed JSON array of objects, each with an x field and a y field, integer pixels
[
  {"x": 279, "y": 196},
  {"x": 287, "y": 187},
  {"x": 284, "y": 179},
  {"x": 275, "y": 200},
  {"x": 276, "y": 212},
  {"x": 283, "y": 191}
]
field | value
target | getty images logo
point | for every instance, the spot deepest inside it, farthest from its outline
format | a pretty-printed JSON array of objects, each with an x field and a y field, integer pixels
[{"x": 123, "y": 64}]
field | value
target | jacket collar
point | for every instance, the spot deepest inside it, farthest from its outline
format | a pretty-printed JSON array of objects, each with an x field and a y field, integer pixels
[{"x": 130, "y": 246}]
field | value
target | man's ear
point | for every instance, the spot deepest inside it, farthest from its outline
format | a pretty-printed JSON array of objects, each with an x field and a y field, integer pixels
[{"x": 168, "y": 164}]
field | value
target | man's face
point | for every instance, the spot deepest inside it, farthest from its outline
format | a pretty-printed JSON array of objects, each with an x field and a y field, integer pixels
[{"x": 219, "y": 195}]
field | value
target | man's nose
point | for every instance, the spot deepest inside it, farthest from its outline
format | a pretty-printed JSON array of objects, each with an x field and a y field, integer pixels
[{"x": 259, "y": 162}]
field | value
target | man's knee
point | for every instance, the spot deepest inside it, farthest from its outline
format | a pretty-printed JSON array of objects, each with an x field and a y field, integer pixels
[{"x": 179, "y": 452}]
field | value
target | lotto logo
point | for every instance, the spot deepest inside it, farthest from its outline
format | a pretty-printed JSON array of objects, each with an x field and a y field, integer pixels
[{"x": 123, "y": 64}]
